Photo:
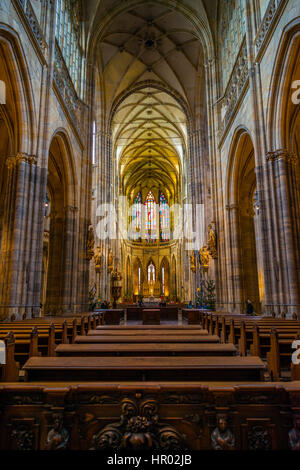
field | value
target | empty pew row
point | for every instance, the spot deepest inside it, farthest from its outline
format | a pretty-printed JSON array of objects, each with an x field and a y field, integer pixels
[
  {"x": 151, "y": 355},
  {"x": 145, "y": 349},
  {"x": 96, "y": 336},
  {"x": 41, "y": 339},
  {"x": 260, "y": 339},
  {"x": 141, "y": 368}
]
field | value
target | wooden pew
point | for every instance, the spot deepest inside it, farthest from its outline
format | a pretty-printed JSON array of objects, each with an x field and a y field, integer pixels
[
  {"x": 255, "y": 349},
  {"x": 148, "y": 331},
  {"x": 148, "y": 349},
  {"x": 167, "y": 338},
  {"x": 51, "y": 341},
  {"x": 188, "y": 328},
  {"x": 34, "y": 343},
  {"x": 273, "y": 356},
  {"x": 144, "y": 368},
  {"x": 295, "y": 368},
  {"x": 10, "y": 370}
]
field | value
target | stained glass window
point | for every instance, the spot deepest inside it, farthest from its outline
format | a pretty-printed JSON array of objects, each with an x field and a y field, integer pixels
[
  {"x": 68, "y": 38},
  {"x": 164, "y": 218},
  {"x": 150, "y": 218},
  {"x": 137, "y": 217},
  {"x": 151, "y": 272}
]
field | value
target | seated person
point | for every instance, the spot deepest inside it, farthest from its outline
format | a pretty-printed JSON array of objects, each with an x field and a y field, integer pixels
[{"x": 249, "y": 308}]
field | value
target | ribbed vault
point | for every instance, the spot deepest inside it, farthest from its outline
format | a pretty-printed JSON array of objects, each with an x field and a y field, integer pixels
[
  {"x": 149, "y": 131},
  {"x": 151, "y": 42}
]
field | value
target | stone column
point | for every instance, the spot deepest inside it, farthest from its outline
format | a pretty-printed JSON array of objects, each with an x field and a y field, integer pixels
[
  {"x": 70, "y": 250},
  {"x": 281, "y": 166},
  {"x": 14, "y": 269},
  {"x": 235, "y": 274}
]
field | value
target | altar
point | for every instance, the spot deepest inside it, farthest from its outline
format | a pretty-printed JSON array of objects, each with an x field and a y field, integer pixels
[{"x": 151, "y": 302}]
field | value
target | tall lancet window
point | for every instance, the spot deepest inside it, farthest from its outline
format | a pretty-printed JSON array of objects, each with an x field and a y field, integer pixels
[
  {"x": 151, "y": 272},
  {"x": 164, "y": 218},
  {"x": 137, "y": 217},
  {"x": 68, "y": 36},
  {"x": 150, "y": 218}
]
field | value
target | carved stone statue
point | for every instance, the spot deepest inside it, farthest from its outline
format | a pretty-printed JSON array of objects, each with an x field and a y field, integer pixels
[
  {"x": 90, "y": 243},
  {"x": 221, "y": 437},
  {"x": 193, "y": 263},
  {"x": 98, "y": 260},
  {"x": 294, "y": 434},
  {"x": 212, "y": 242},
  {"x": 58, "y": 436},
  {"x": 110, "y": 262},
  {"x": 204, "y": 256}
]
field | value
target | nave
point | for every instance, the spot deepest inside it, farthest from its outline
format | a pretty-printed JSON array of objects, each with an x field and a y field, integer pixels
[{"x": 227, "y": 370}]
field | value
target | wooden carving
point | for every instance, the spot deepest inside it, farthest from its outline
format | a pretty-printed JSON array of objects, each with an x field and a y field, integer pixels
[
  {"x": 58, "y": 436},
  {"x": 138, "y": 429},
  {"x": 221, "y": 437}
]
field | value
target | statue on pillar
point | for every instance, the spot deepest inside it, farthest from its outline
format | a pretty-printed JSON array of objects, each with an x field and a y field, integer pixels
[
  {"x": 98, "y": 260},
  {"x": 204, "y": 256},
  {"x": 110, "y": 262},
  {"x": 193, "y": 262},
  {"x": 212, "y": 242},
  {"x": 90, "y": 243}
]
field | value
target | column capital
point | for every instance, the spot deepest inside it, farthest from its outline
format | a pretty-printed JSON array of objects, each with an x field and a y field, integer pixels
[
  {"x": 14, "y": 160},
  {"x": 70, "y": 209},
  {"x": 230, "y": 207},
  {"x": 282, "y": 154}
]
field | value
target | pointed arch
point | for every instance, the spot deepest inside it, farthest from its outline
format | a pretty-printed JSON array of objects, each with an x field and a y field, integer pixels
[
  {"x": 20, "y": 108},
  {"x": 244, "y": 247},
  {"x": 281, "y": 111}
]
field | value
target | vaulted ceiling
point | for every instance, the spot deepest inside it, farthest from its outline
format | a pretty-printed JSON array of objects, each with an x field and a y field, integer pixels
[
  {"x": 149, "y": 131},
  {"x": 149, "y": 42}
]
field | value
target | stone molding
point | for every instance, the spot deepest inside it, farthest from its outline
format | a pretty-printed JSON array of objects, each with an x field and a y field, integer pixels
[
  {"x": 230, "y": 207},
  {"x": 33, "y": 23},
  {"x": 14, "y": 160},
  {"x": 267, "y": 22},
  {"x": 235, "y": 87},
  {"x": 282, "y": 154},
  {"x": 70, "y": 209}
]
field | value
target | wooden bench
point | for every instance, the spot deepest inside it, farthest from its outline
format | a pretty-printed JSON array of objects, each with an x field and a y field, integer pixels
[
  {"x": 148, "y": 349},
  {"x": 144, "y": 368},
  {"x": 152, "y": 327},
  {"x": 167, "y": 338},
  {"x": 9, "y": 370},
  {"x": 148, "y": 331}
]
